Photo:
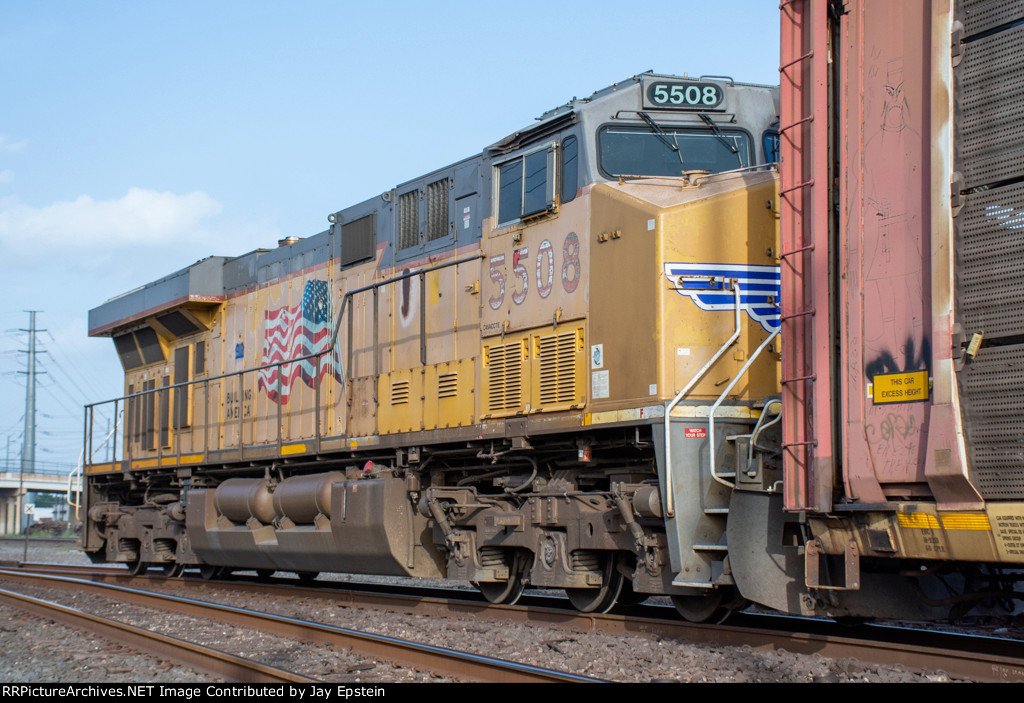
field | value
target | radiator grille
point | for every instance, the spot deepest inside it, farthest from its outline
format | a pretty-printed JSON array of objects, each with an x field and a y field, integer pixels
[
  {"x": 437, "y": 209},
  {"x": 408, "y": 219},
  {"x": 557, "y": 357},
  {"x": 504, "y": 372}
]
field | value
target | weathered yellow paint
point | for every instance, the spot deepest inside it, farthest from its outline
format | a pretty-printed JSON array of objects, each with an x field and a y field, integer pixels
[
  {"x": 966, "y": 521},
  {"x": 625, "y": 415},
  {"x": 654, "y": 339},
  {"x": 724, "y": 411},
  {"x": 293, "y": 449},
  {"x": 400, "y": 405},
  {"x": 450, "y": 394},
  {"x": 918, "y": 521},
  {"x": 168, "y": 461},
  {"x": 434, "y": 283}
]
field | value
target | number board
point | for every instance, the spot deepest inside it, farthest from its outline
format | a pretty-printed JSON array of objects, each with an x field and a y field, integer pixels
[{"x": 683, "y": 95}]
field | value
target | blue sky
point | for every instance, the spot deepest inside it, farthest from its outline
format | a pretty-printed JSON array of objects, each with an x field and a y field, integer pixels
[{"x": 139, "y": 137}]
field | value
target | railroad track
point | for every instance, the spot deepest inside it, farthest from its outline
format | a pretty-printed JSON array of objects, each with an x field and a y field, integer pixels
[
  {"x": 36, "y": 541},
  {"x": 206, "y": 659},
  {"x": 460, "y": 665},
  {"x": 968, "y": 657}
]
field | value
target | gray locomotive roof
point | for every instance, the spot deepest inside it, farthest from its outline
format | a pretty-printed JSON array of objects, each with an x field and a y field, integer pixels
[{"x": 203, "y": 281}]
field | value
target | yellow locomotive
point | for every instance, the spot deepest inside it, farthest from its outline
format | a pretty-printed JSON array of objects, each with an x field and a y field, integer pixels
[
  {"x": 557, "y": 363},
  {"x": 548, "y": 364}
]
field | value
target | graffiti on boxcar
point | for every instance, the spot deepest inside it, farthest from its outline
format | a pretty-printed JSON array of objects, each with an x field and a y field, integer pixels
[
  {"x": 894, "y": 429},
  {"x": 885, "y": 362}
]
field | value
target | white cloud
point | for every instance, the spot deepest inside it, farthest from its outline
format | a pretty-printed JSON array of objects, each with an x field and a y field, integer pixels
[
  {"x": 141, "y": 218},
  {"x": 7, "y": 145}
]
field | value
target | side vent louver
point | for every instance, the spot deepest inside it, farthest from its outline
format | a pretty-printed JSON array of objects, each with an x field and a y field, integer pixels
[
  {"x": 447, "y": 385},
  {"x": 557, "y": 355},
  {"x": 400, "y": 392},
  {"x": 504, "y": 375}
]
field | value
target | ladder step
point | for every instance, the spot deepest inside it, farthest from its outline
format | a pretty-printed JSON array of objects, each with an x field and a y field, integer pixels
[
  {"x": 716, "y": 511},
  {"x": 711, "y": 548},
  {"x": 693, "y": 584}
]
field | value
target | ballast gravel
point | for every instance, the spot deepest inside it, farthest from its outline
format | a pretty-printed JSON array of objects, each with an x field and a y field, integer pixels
[{"x": 42, "y": 651}]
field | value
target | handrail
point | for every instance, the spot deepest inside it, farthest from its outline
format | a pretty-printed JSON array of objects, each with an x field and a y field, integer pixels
[
  {"x": 714, "y": 408},
  {"x": 77, "y": 505},
  {"x": 669, "y": 495},
  {"x": 330, "y": 349},
  {"x": 347, "y": 302}
]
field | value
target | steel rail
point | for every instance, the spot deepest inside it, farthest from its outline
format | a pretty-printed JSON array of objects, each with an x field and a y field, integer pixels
[
  {"x": 917, "y": 650},
  {"x": 437, "y": 659},
  {"x": 213, "y": 661}
]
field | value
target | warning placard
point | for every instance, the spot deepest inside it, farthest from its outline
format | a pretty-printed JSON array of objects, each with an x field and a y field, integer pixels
[{"x": 906, "y": 387}]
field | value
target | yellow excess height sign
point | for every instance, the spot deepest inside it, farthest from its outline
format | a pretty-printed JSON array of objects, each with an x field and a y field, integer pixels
[{"x": 907, "y": 387}]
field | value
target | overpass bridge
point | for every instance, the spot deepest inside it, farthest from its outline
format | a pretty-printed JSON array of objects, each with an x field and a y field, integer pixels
[{"x": 11, "y": 500}]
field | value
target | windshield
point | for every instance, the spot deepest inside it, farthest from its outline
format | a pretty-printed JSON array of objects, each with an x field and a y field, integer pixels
[{"x": 639, "y": 151}]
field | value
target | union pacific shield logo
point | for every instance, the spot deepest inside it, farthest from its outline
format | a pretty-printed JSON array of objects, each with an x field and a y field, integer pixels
[{"x": 709, "y": 286}]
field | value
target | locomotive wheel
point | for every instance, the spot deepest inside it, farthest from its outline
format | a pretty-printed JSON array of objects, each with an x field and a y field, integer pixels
[
  {"x": 208, "y": 572},
  {"x": 602, "y": 598},
  {"x": 137, "y": 567},
  {"x": 627, "y": 596},
  {"x": 505, "y": 592},
  {"x": 265, "y": 574},
  {"x": 714, "y": 607},
  {"x": 172, "y": 570},
  {"x": 308, "y": 576}
]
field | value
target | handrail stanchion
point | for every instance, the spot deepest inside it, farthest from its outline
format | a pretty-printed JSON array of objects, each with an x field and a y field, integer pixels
[
  {"x": 316, "y": 404},
  {"x": 280, "y": 372},
  {"x": 113, "y": 453}
]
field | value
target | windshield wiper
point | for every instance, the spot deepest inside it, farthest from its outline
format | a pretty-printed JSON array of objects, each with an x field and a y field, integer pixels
[
  {"x": 720, "y": 136},
  {"x": 662, "y": 135}
]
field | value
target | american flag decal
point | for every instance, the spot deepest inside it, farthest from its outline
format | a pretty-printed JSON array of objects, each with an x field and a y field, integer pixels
[{"x": 291, "y": 332}]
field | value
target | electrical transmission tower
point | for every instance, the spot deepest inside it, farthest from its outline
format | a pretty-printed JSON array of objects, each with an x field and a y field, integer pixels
[{"x": 28, "y": 451}]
